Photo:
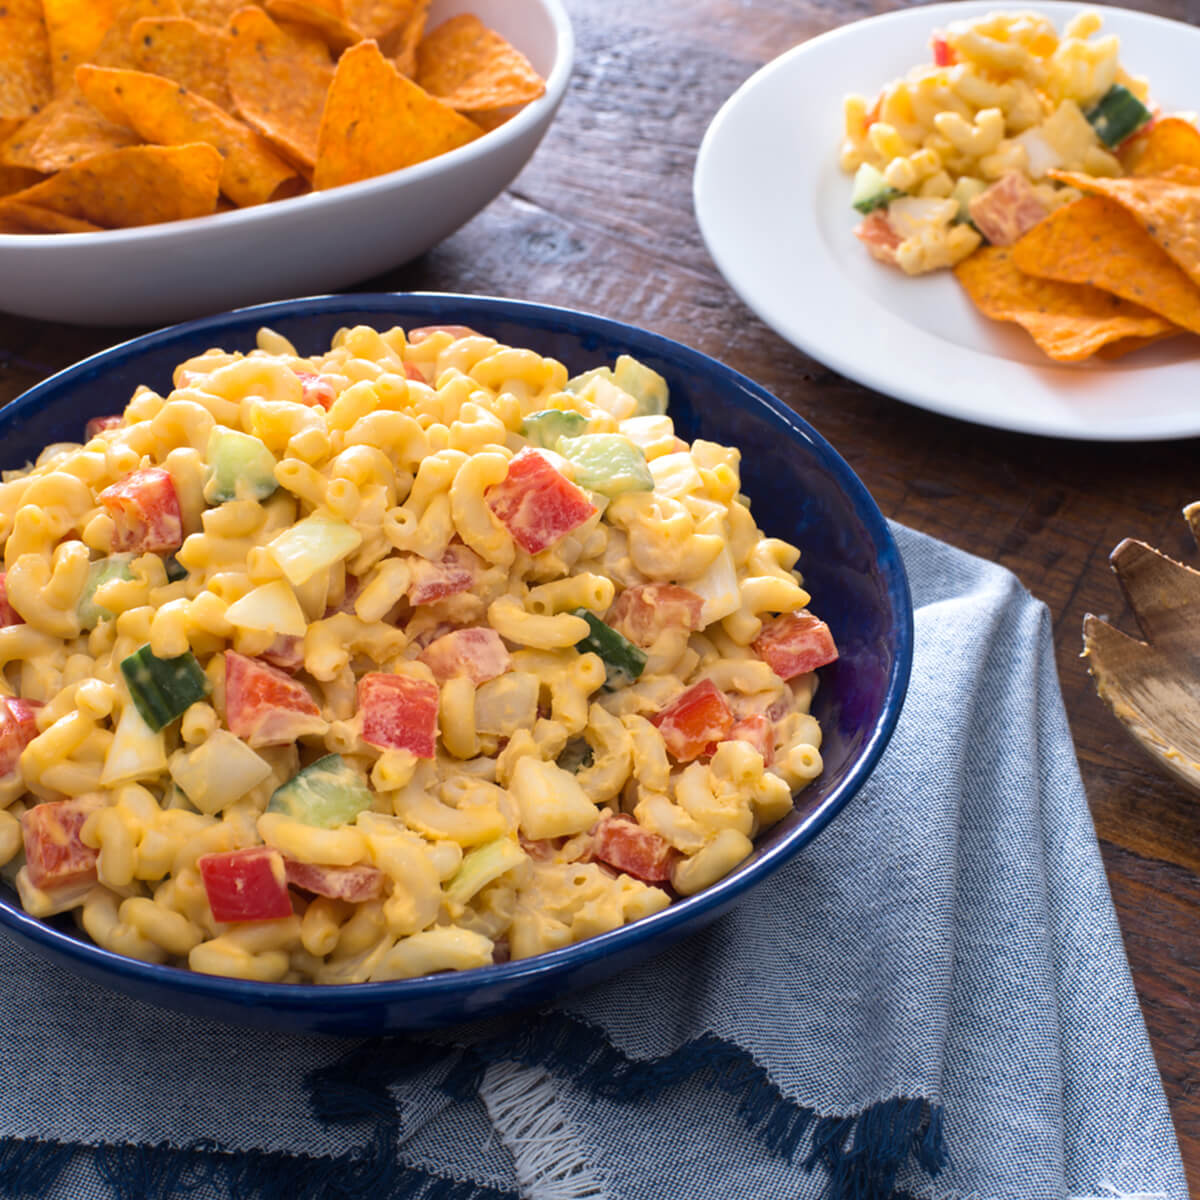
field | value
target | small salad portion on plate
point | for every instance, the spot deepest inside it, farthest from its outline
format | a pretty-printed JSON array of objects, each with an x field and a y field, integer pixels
[
  {"x": 1012, "y": 158},
  {"x": 1035, "y": 203}
]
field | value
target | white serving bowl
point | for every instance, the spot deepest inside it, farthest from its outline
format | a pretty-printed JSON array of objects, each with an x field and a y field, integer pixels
[{"x": 156, "y": 274}]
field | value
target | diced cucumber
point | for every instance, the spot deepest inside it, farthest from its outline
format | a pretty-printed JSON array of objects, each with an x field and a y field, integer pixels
[
  {"x": 577, "y": 383},
  {"x": 482, "y": 865},
  {"x": 608, "y": 463},
  {"x": 623, "y": 661},
  {"x": 966, "y": 188},
  {"x": 327, "y": 793},
  {"x": 240, "y": 467},
  {"x": 644, "y": 384},
  {"x": 103, "y": 570},
  {"x": 1118, "y": 114},
  {"x": 871, "y": 190},
  {"x": 163, "y": 688},
  {"x": 544, "y": 428}
]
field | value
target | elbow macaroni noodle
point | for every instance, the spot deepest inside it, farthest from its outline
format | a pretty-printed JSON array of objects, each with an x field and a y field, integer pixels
[{"x": 554, "y": 805}]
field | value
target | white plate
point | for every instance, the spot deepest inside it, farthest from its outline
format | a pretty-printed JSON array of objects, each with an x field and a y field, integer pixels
[
  {"x": 774, "y": 208},
  {"x": 157, "y": 274}
]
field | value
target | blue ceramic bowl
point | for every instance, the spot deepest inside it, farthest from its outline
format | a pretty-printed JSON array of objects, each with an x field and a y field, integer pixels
[{"x": 802, "y": 490}]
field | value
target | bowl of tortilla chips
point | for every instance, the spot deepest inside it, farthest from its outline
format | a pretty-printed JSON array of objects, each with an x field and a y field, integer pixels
[{"x": 165, "y": 159}]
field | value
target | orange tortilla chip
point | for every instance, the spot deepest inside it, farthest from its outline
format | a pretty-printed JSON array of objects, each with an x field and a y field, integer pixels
[
  {"x": 17, "y": 217},
  {"x": 115, "y": 50},
  {"x": 1124, "y": 346},
  {"x": 1169, "y": 142},
  {"x": 279, "y": 79},
  {"x": 1095, "y": 241},
  {"x": 380, "y": 18},
  {"x": 164, "y": 113},
  {"x": 325, "y": 16},
  {"x": 26, "y": 82},
  {"x": 17, "y": 179},
  {"x": 186, "y": 51},
  {"x": 75, "y": 29},
  {"x": 68, "y": 130},
  {"x": 1168, "y": 209},
  {"x": 1068, "y": 321},
  {"x": 211, "y": 12},
  {"x": 140, "y": 185},
  {"x": 376, "y": 121},
  {"x": 473, "y": 69}
]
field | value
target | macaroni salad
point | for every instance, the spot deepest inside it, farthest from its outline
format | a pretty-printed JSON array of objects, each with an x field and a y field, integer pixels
[
  {"x": 413, "y": 656},
  {"x": 958, "y": 151}
]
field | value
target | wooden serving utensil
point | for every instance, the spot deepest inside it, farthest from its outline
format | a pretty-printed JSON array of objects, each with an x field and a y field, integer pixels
[{"x": 1153, "y": 686}]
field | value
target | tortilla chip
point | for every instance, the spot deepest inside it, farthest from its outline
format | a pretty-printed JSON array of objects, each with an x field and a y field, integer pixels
[
  {"x": 140, "y": 185},
  {"x": 17, "y": 217},
  {"x": 473, "y": 69},
  {"x": 1124, "y": 346},
  {"x": 1069, "y": 321},
  {"x": 401, "y": 42},
  {"x": 17, "y": 179},
  {"x": 1168, "y": 209},
  {"x": 186, "y": 51},
  {"x": 164, "y": 113},
  {"x": 1095, "y": 241},
  {"x": 68, "y": 130},
  {"x": 211, "y": 12},
  {"x": 115, "y": 50},
  {"x": 75, "y": 29},
  {"x": 1169, "y": 142},
  {"x": 325, "y": 16},
  {"x": 279, "y": 79},
  {"x": 26, "y": 81},
  {"x": 379, "y": 18},
  {"x": 376, "y": 121}
]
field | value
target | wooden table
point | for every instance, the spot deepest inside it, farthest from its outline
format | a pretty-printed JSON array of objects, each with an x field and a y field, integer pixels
[{"x": 602, "y": 220}]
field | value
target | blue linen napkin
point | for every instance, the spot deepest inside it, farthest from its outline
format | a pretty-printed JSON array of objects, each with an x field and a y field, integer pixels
[{"x": 931, "y": 1000}]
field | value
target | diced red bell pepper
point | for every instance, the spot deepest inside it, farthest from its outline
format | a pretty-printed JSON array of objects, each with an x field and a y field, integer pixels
[
  {"x": 1008, "y": 209},
  {"x": 264, "y": 705},
  {"x": 644, "y": 612},
  {"x": 694, "y": 720},
  {"x": 399, "y": 713},
  {"x": 18, "y": 727},
  {"x": 54, "y": 854},
  {"x": 476, "y": 653},
  {"x": 285, "y": 652},
  {"x": 418, "y": 335},
  {"x": 316, "y": 390},
  {"x": 246, "y": 885},
  {"x": 8, "y": 614},
  {"x": 759, "y": 731},
  {"x": 795, "y": 644},
  {"x": 536, "y": 503},
  {"x": 100, "y": 424},
  {"x": 642, "y": 853},
  {"x": 145, "y": 512},
  {"x": 943, "y": 55},
  {"x": 354, "y": 884},
  {"x": 454, "y": 572}
]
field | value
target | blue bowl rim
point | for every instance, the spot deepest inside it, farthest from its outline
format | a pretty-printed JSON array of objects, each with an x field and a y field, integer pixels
[{"x": 329, "y": 1000}]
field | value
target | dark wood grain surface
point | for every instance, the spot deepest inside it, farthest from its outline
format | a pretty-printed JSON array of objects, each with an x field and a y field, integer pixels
[{"x": 602, "y": 220}]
